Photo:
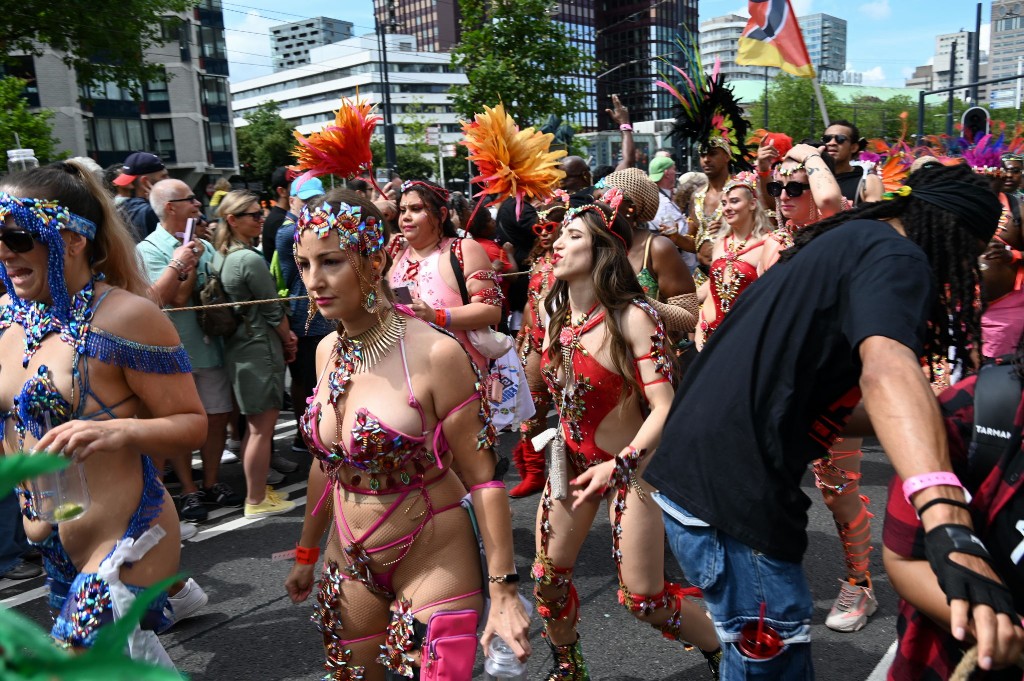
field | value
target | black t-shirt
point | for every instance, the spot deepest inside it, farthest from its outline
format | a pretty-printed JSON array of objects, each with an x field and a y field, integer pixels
[
  {"x": 270, "y": 226},
  {"x": 776, "y": 383},
  {"x": 849, "y": 182}
]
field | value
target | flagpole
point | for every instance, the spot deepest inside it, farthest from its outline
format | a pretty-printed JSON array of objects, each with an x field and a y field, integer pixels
[{"x": 821, "y": 101}]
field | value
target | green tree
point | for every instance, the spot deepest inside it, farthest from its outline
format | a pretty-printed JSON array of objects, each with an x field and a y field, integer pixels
[
  {"x": 265, "y": 143},
  {"x": 410, "y": 163},
  {"x": 514, "y": 52},
  {"x": 101, "y": 42},
  {"x": 33, "y": 128},
  {"x": 793, "y": 107}
]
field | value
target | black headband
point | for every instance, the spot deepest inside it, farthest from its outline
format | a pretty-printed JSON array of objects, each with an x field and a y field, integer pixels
[{"x": 979, "y": 208}]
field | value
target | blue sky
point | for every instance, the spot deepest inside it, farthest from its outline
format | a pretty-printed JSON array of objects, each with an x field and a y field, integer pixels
[{"x": 886, "y": 38}]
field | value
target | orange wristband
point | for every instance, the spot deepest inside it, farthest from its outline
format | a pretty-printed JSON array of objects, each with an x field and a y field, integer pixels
[{"x": 304, "y": 556}]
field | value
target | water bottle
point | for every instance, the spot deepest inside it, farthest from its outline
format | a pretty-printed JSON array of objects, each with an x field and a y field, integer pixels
[
  {"x": 21, "y": 159},
  {"x": 502, "y": 663}
]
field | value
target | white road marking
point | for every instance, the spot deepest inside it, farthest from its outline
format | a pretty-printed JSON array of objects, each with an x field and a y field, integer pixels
[
  {"x": 20, "y": 599},
  {"x": 881, "y": 669}
]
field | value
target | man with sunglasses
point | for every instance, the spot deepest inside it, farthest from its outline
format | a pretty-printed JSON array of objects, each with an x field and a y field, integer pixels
[
  {"x": 1012, "y": 167},
  {"x": 842, "y": 141}
]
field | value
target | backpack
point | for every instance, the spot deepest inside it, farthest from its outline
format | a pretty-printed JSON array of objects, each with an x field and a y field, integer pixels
[{"x": 221, "y": 321}]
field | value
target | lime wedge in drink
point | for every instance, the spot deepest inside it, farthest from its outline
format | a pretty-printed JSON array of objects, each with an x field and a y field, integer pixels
[{"x": 68, "y": 511}]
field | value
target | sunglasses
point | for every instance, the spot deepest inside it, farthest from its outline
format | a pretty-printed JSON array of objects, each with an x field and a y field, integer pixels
[
  {"x": 187, "y": 198},
  {"x": 254, "y": 214},
  {"x": 18, "y": 240},
  {"x": 840, "y": 139},
  {"x": 793, "y": 188},
  {"x": 545, "y": 228}
]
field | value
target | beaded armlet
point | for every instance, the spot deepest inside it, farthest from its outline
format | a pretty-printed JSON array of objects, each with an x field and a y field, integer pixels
[
  {"x": 150, "y": 359},
  {"x": 662, "y": 363}
]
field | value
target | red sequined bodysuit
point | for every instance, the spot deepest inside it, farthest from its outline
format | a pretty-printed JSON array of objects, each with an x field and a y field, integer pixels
[
  {"x": 729, "y": 277},
  {"x": 593, "y": 391}
]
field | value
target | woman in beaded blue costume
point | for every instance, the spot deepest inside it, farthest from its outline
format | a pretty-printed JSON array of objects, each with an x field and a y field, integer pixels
[
  {"x": 609, "y": 371},
  {"x": 85, "y": 352},
  {"x": 397, "y": 409}
]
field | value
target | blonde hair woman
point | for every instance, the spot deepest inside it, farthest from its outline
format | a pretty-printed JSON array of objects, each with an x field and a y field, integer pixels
[{"x": 258, "y": 350}]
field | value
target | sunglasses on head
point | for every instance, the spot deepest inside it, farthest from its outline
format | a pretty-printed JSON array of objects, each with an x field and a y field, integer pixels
[
  {"x": 840, "y": 139},
  {"x": 18, "y": 240},
  {"x": 793, "y": 188},
  {"x": 545, "y": 228}
]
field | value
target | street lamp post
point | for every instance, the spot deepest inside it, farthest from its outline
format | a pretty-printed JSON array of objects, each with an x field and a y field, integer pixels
[{"x": 390, "y": 155}]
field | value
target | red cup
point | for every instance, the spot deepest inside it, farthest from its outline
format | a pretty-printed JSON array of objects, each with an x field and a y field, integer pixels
[{"x": 759, "y": 641}]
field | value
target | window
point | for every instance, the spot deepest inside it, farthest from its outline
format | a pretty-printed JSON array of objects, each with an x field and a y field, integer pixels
[
  {"x": 211, "y": 42},
  {"x": 156, "y": 90},
  {"x": 218, "y": 136},
  {"x": 215, "y": 91},
  {"x": 161, "y": 134},
  {"x": 118, "y": 134}
]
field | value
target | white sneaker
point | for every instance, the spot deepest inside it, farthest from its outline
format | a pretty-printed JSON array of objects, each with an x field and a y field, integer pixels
[
  {"x": 228, "y": 456},
  {"x": 279, "y": 463},
  {"x": 184, "y": 604},
  {"x": 852, "y": 607},
  {"x": 188, "y": 530},
  {"x": 274, "y": 477}
]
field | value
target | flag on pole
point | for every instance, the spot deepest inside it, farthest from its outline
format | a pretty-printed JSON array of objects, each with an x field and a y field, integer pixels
[{"x": 773, "y": 38}]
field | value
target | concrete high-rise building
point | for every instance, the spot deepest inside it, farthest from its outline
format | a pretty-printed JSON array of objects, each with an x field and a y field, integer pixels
[
  {"x": 184, "y": 117},
  {"x": 1006, "y": 52},
  {"x": 290, "y": 43},
  {"x": 629, "y": 41},
  {"x": 719, "y": 39},
  {"x": 825, "y": 37},
  {"x": 952, "y": 66}
]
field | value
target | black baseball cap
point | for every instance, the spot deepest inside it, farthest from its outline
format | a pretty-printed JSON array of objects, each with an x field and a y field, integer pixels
[{"x": 138, "y": 163}]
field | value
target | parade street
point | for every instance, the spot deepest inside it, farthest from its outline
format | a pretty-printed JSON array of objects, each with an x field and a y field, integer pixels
[{"x": 251, "y": 631}]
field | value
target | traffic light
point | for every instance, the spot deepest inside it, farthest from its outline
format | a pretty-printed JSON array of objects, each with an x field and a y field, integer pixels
[{"x": 975, "y": 123}]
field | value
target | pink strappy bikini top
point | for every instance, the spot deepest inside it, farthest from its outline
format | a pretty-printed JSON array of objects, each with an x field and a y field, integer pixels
[{"x": 380, "y": 451}]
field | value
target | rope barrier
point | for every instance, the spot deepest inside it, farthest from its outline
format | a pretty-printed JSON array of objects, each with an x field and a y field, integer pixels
[
  {"x": 244, "y": 303},
  {"x": 969, "y": 664}
]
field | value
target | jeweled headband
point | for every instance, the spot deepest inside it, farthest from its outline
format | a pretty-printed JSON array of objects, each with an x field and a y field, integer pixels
[
  {"x": 713, "y": 142},
  {"x": 45, "y": 219},
  {"x": 613, "y": 197},
  {"x": 363, "y": 236},
  {"x": 743, "y": 179}
]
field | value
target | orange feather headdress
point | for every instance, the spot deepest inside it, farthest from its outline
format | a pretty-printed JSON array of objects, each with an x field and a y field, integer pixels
[
  {"x": 342, "y": 148},
  {"x": 511, "y": 162}
]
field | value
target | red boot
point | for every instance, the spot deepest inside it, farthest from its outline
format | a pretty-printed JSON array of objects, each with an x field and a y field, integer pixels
[{"x": 531, "y": 469}]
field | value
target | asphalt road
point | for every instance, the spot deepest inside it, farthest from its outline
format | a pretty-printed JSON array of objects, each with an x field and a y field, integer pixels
[{"x": 250, "y": 631}]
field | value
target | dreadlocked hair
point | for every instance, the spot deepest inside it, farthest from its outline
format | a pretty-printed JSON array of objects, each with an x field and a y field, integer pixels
[
  {"x": 615, "y": 286},
  {"x": 954, "y": 320}
]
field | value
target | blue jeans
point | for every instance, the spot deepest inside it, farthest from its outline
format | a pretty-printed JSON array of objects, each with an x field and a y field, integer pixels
[
  {"x": 12, "y": 533},
  {"x": 735, "y": 580}
]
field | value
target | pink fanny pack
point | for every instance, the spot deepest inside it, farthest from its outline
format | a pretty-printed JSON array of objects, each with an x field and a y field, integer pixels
[{"x": 449, "y": 649}]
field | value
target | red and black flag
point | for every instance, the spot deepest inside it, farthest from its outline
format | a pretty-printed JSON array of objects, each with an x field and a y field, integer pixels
[{"x": 772, "y": 38}]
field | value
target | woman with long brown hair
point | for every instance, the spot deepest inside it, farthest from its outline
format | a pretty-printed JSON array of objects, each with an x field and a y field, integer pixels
[
  {"x": 92, "y": 369},
  {"x": 258, "y": 350},
  {"x": 610, "y": 373},
  {"x": 401, "y": 403}
]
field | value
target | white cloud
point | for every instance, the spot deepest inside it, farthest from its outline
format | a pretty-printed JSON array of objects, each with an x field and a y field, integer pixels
[
  {"x": 875, "y": 75},
  {"x": 907, "y": 71},
  {"x": 877, "y": 9},
  {"x": 248, "y": 46}
]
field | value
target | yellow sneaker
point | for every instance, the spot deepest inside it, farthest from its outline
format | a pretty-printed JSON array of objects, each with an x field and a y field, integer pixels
[
  {"x": 268, "y": 507},
  {"x": 275, "y": 495}
]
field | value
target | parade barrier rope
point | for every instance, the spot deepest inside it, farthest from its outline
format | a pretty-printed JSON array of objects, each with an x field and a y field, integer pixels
[{"x": 969, "y": 664}]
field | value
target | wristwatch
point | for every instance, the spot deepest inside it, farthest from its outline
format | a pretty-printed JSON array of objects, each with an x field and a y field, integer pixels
[{"x": 510, "y": 578}]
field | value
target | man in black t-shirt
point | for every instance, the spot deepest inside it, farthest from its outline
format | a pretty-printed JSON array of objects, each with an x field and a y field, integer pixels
[
  {"x": 279, "y": 184},
  {"x": 842, "y": 142},
  {"x": 846, "y": 315}
]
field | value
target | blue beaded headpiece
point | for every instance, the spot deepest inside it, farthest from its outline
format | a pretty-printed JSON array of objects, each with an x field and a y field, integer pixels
[
  {"x": 355, "y": 234},
  {"x": 44, "y": 219}
]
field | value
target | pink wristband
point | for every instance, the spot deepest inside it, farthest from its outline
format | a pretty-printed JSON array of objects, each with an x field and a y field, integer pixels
[
  {"x": 487, "y": 485},
  {"x": 912, "y": 486},
  {"x": 626, "y": 127}
]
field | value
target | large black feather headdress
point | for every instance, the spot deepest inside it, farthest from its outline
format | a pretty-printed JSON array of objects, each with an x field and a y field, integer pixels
[{"x": 708, "y": 112}]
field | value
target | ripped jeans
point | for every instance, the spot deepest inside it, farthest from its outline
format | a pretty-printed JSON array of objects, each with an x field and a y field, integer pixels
[{"x": 735, "y": 580}]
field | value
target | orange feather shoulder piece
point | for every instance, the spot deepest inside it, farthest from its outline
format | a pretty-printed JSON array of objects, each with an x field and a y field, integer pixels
[{"x": 511, "y": 162}]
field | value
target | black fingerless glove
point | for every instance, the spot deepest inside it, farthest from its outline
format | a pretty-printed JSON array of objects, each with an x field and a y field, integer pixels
[{"x": 957, "y": 581}]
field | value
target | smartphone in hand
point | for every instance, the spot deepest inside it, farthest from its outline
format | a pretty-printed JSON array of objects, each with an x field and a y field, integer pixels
[
  {"x": 190, "y": 225},
  {"x": 402, "y": 295}
]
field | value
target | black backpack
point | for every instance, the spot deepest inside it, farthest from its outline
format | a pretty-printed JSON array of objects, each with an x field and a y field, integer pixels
[{"x": 219, "y": 321}]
